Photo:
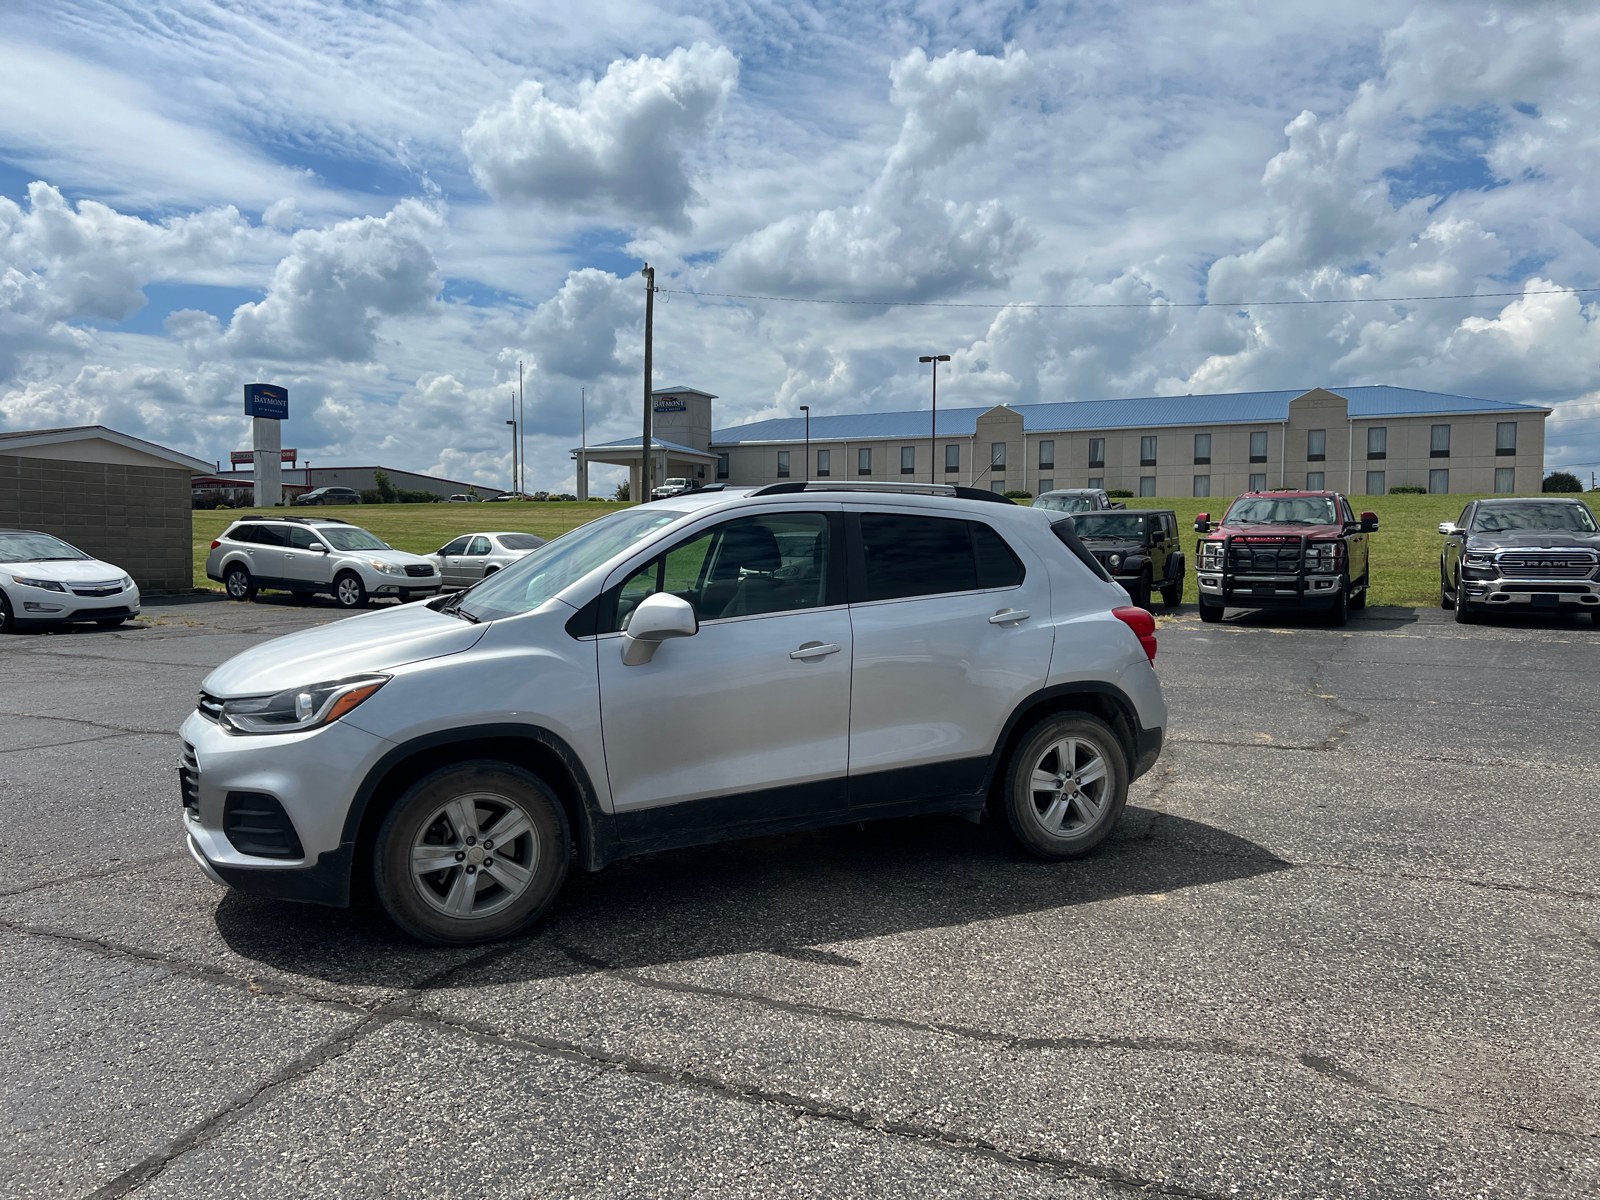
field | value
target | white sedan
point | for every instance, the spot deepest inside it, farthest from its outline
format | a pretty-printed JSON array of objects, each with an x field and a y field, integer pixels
[
  {"x": 43, "y": 580},
  {"x": 473, "y": 556}
]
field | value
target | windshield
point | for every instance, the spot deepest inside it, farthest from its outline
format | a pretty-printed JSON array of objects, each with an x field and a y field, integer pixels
[
  {"x": 534, "y": 578},
  {"x": 1568, "y": 518},
  {"x": 1294, "y": 510},
  {"x": 520, "y": 541},
  {"x": 1112, "y": 525},
  {"x": 348, "y": 537},
  {"x": 37, "y": 547},
  {"x": 1066, "y": 504}
]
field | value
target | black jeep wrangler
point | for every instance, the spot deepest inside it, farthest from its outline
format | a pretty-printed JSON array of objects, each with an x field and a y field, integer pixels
[{"x": 1140, "y": 548}]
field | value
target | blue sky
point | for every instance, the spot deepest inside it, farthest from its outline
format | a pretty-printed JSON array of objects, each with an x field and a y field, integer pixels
[{"x": 387, "y": 207}]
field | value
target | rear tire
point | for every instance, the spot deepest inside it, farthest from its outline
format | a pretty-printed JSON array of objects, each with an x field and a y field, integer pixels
[
  {"x": 1210, "y": 613},
  {"x": 1065, "y": 786},
  {"x": 239, "y": 584},
  {"x": 448, "y": 820},
  {"x": 349, "y": 591}
]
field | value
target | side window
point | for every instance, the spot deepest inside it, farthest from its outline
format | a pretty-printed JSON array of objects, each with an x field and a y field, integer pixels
[
  {"x": 459, "y": 546},
  {"x": 1461, "y": 521},
  {"x": 244, "y": 533},
  {"x": 302, "y": 538},
  {"x": 746, "y": 567},
  {"x": 1349, "y": 516},
  {"x": 928, "y": 556},
  {"x": 271, "y": 535},
  {"x": 480, "y": 545}
]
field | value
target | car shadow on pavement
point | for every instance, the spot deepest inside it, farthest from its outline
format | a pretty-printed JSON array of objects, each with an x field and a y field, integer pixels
[
  {"x": 1267, "y": 618},
  {"x": 781, "y": 894}
]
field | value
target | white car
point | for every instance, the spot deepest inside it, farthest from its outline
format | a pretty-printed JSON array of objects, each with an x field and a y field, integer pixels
[
  {"x": 474, "y": 556},
  {"x": 712, "y": 666},
  {"x": 311, "y": 555},
  {"x": 44, "y": 580}
]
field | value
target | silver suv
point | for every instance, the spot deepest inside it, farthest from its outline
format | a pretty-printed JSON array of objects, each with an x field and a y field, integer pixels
[
  {"x": 712, "y": 666},
  {"x": 311, "y": 555}
]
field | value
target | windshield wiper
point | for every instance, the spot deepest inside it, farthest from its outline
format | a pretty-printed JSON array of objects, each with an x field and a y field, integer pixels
[{"x": 453, "y": 607}]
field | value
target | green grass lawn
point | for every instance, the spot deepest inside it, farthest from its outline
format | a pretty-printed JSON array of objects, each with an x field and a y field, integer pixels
[{"x": 1405, "y": 551}]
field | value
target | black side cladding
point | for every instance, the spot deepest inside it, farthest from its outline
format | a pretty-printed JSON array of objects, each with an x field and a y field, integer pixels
[{"x": 1066, "y": 529}]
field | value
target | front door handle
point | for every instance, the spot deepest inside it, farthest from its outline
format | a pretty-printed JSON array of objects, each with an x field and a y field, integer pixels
[
  {"x": 814, "y": 650},
  {"x": 1009, "y": 616}
]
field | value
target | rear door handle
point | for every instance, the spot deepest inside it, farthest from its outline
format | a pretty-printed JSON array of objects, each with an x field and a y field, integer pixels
[
  {"x": 1009, "y": 616},
  {"x": 814, "y": 650}
]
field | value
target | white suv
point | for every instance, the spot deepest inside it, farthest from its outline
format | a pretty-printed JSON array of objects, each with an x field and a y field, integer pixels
[
  {"x": 707, "y": 667},
  {"x": 307, "y": 555}
]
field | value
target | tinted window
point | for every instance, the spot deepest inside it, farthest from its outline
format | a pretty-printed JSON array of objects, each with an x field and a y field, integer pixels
[
  {"x": 521, "y": 541},
  {"x": 927, "y": 556},
  {"x": 244, "y": 533},
  {"x": 459, "y": 546},
  {"x": 742, "y": 568},
  {"x": 270, "y": 535},
  {"x": 302, "y": 538}
]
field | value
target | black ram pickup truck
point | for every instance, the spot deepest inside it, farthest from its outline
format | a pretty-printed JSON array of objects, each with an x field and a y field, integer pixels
[{"x": 1517, "y": 555}]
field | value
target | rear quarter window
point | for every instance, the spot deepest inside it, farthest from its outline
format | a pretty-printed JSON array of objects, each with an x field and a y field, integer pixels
[{"x": 1066, "y": 531}]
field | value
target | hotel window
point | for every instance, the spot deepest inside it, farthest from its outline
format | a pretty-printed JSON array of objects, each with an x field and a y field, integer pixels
[
  {"x": 1096, "y": 481},
  {"x": 997, "y": 456},
  {"x": 1097, "y": 452},
  {"x": 1258, "y": 446},
  {"x": 1439, "y": 442},
  {"x": 908, "y": 460},
  {"x": 1046, "y": 485},
  {"x": 1047, "y": 456},
  {"x": 1505, "y": 479},
  {"x": 1316, "y": 481},
  {"x": 1147, "y": 453},
  {"x": 824, "y": 463},
  {"x": 1258, "y": 483},
  {"x": 1316, "y": 445},
  {"x": 864, "y": 461},
  {"x": 1202, "y": 451},
  {"x": 1147, "y": 485},
  {"x": 1505, "y": 439},
  {"x": 997, "y": 486},
  {"x": 1438, "y": 483},
  {"x": 952, "y": 459},
  {"x": 783, "y": 464},
  {"x": 722, "y": 466},
  {"x": 1202, "y": 485},
  {"x": 1374, "y": 483},
  {"x": 1377, "y": 445}
]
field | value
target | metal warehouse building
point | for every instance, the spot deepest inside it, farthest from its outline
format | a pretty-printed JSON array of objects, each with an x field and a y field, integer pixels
[
  {"x": 116, "y": 497},
  {"x": 1360, "y": 440}
]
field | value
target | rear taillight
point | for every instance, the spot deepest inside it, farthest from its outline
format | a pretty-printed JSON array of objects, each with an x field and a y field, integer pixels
[
  {"x": 1142, "y": 624},
  {"x": 214, "y": 545}
]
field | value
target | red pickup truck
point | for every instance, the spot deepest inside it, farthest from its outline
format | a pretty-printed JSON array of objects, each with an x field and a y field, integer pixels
[{"x": 1305, "y": 550}]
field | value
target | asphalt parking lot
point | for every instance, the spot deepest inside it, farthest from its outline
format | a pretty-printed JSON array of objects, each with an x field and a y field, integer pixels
[{"x": 1346, "y": 942}]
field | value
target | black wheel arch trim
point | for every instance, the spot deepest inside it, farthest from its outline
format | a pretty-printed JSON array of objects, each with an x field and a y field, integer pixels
[{"x": 1141, "y": 745}]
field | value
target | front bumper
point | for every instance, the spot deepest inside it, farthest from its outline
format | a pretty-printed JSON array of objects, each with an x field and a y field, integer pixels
[
  {"x": 1581, "y": 595},
  {"x": 37, "y": 606},
  {"x": 1270, "y": 591},
  {"x": 312, "y": 775}
]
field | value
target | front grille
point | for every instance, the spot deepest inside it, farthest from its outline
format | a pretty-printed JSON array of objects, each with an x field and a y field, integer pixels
[
  {"x": 1547, "y": 566},
  {"x": 189, "y": 781},
  {"x": 97, "y": 589},
  {"x": 418, "y": 569},
  {"x": 256, "y": 824},
  {"x": 209, "y": 707},
  {"x": 1264, "y": 553}
]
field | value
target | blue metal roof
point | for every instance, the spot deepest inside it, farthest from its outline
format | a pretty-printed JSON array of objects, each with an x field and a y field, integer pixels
[{"x": 1145, "y": 412}]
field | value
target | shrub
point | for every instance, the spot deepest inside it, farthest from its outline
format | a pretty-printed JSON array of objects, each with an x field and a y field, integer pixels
[
  {"x": 372, "y": 496},
  {"x": 416, "y": 497},
  {"x": 1120, "y": 494},
  {"x": 622, "y": 492},
  {"x": 1019, "y": 495},
  {"x": 380, "y": 480},
  {"x": 1562, "y": 481},
  {"x": 1408, "y": 489}
]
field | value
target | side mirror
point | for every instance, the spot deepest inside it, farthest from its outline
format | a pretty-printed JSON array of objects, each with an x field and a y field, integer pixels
[
  {"x": 658, "y": 617},
  {"x": 1369, "y": 522},
  {"x": 1202, "y": 523},
  {"x": 1447, "y": 527},
  {"x": 318, "y": 547}
]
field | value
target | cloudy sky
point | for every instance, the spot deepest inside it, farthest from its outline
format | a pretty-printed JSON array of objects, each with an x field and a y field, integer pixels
[{"x": 388, "y": 206}]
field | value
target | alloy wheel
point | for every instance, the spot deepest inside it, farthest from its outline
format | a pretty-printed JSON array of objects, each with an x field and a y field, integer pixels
[
  {"x": 475, "y": 855},
  {"x": 1069, "y": 787},
  {"x": 348, "y": 591}
]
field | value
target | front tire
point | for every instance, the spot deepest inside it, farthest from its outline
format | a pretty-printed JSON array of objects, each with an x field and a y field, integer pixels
[
  {"x": 1065, "y": 787},
  {"x": 8, "y": 623},
  {"x": 1141, "y": 591},
  {"x": 1172, "y": 594},
  {"x": 1210, "y": 613},
  {"x": 1337, "y": 616},
  {"x": 471, "y": 853},
  {"x": 240, "y": 585},
  {"x": 349, "y": 591},
  {"x": 1465, "y": 613}
]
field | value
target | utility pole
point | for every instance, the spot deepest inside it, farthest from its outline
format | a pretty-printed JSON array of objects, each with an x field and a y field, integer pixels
[
  {"x": 522, "y": 431},
  {"x": 646, "y": 443},
  {"x": 933, "y": 441},
  {"x": 806, "y": 408},
  {"x": 513, "y": 424},
  {"x": 583, "y": 441}
]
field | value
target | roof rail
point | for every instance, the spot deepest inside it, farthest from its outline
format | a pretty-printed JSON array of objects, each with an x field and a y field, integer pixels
[
  {"x": 914, "y": 489},
  {"x": 299, "y": 520}
]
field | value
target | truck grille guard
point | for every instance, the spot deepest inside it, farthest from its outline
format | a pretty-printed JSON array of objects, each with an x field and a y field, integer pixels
[{"x": 1275, "y": 564}]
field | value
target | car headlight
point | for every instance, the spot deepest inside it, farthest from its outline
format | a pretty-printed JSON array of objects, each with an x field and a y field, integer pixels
[
  {"x": 387, "y": 568},
  {"x": 297, "y": 709},
  {"x": 1479, "y": 559},
  {"x": 1115, "y": 560},
  {"x": 48, "y": 585},
  {"x": 1211, "y": 556},
  {"x": 127, "y": 582}
]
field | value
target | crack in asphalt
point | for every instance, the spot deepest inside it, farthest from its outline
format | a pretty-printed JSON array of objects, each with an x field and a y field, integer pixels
[
  {"x": 92, "y": 724},
  {"x": 120, "y": 869},
  {"x": 1315, "y": 687},
  {"x": 107, "y": 737}
]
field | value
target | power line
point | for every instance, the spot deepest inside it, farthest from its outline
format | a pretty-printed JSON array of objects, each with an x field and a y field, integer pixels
[{"x": 1148, "y": 304}]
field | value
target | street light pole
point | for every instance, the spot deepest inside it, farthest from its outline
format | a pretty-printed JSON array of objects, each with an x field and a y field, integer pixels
[
  {"x": 933, "y": 439},
  {"x": 516, "y": 489},
  {"x": 522, "y": 429},
  {"x": 649, "y": 274},
  {"x": 806, "y": 408}
]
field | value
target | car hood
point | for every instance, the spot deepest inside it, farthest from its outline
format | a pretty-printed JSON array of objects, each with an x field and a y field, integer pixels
[
  {"x": 395, "y": 556},
  {"x": 1107, "y": 546},
  {"x": 376, "y": 641},
  {"x": 1543, "y": 539},
  {"x": 74, "y": 571},
  {"x": 1314, "y": 531}
]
